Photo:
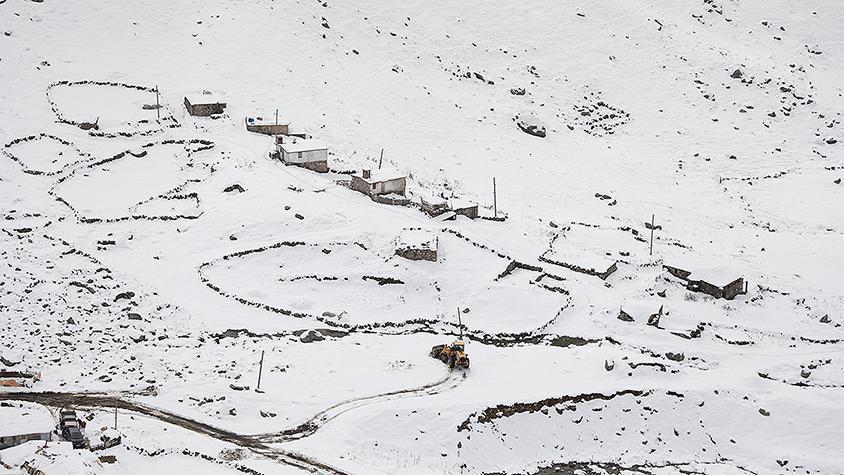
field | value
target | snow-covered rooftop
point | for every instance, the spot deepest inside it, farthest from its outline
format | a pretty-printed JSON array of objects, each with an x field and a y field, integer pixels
[
  {"x": 381, "y": 174},
  {"x": 205, "y": 97},
  {"x": 302, "y": 145},
  {"x": 265, "y": 120},
  {"x": 417, "y": 239},
  {"x": 720, "y": 276}
]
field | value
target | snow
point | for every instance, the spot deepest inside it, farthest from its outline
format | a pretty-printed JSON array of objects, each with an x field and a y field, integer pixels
[
  {"x": 380, "y": 175},
  {"x": 136, "y": 276},
  {"x": 416, "y": 239},
  {"x": 25, "y": 418},
  {"x": 265, "y": 120},
  {"x": 302, "y": 145},
  {"x": 205, "y": 97},
  {"x": 718, "y": 276}
]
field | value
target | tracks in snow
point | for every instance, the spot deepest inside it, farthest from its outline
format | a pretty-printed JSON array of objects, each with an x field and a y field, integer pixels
[
  {"x": 259, "y": 443},
  {"x": 450, "y": 381}
]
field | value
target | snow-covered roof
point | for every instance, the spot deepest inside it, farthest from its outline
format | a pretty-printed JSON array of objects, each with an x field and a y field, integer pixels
[
  {"x": 204, "y": 98},
  {"x": 302, "y": 145},
  {"x": 428, "y": 197},
  {"x": 265, "y": 120},
  {"x": 417, "y": 239},
  {"x": 719, "y": 276},
  {"x": 461, "y": 203},
  {"x": 381, "y": 174}
]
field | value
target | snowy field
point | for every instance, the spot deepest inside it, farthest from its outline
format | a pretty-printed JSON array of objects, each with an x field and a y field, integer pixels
[{"x": 162, "y": 263}]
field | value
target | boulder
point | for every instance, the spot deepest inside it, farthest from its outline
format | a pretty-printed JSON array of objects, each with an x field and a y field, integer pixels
[
  {"x": 530, "y": 124},
  {"x": 311, "y": 336}
]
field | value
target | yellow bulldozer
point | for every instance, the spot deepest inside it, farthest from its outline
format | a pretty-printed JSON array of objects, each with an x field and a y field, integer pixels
[
  {"x": 455, "y": 353},
  {"x": 452, "y": 355}
]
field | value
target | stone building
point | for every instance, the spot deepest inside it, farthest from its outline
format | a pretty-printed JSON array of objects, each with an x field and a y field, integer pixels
[
  {"x": 379, "y": 182},
  {"x": 417, "y": 245},
  {"x": 267, "y": 125},
  {"x": 718, "y": 282},
  {"x": 204, "y": 104}
]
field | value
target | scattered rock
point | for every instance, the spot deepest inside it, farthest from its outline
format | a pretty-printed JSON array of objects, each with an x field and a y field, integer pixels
[
  {"x": 134, "y": 316},
  {"x": 764, "y": 412},
  {"x": 517, "y": 91},
  {"x": 530, "y": 124},
  {"x": 675, "y": 356},
  {"x": 311, "y": 336},
  {"x": 737, "y": 74}
]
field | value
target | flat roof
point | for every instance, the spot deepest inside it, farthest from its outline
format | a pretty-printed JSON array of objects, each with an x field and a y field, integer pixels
[
  {"x": 719, "y": 276},
  {"x": 302, "y": 145},
  {"x": 382, "y": 174},
  {"x": 204, "y": 98},
  {"x": 264, "y": 120}
]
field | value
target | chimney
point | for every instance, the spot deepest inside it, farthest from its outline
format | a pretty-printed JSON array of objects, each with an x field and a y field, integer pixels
[{"x": 366, "y": 173}]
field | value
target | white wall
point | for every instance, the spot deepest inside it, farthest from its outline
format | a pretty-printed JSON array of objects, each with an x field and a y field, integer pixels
[{"x": 307, "y": 157}]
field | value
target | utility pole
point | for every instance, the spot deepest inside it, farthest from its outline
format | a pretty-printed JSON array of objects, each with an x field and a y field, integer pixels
[
  {"x": 115, "y": 417},
  {"x": 494, "y": 198},
  {"x": 652, "y": 226},
  {"x": 157, "y": 104},
  {"x": 381, "y": 159},
  {"x": 459, "y": 323},
  {"x": 260, "y": 370},
  {"x": 276, "y": 117}
]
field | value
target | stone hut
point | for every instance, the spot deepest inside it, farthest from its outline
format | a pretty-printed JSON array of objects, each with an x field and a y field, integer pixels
[
  {"x": 717, "y": 282},
  {"x": 267, "y": 125},
  {"x": 379, "y": 182},
  {"x": 417, "y": 245},
  {"x": 204, "y": 104}
]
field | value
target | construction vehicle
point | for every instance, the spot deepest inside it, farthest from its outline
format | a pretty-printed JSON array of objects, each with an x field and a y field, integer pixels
[{"x": 455, "y": 353}]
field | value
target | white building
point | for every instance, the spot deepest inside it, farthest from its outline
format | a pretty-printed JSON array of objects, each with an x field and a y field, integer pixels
[{"x": 306, "y": 153}]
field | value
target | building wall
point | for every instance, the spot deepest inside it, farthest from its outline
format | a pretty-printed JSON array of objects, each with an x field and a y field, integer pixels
[
  {"x": 391, "y": 186},
  {"x": 271, "y": 129},
  {"x": 470, "y": 212},
  {"x": 418, "y": 254},
  {"x": 307, "y": 157},
  {"x": 204, "y": 110}
]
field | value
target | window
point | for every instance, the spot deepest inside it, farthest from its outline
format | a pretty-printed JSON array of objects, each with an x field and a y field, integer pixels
[
  {"x": 373, "y": 186},
  {"x": 300, "y": 154}
]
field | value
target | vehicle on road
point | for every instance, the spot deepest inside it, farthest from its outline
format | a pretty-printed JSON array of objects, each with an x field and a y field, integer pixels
[{"x": 69, "y": 427}]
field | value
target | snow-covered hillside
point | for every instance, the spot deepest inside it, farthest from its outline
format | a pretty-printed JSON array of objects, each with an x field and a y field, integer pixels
[{"x": 156, "y": 261}]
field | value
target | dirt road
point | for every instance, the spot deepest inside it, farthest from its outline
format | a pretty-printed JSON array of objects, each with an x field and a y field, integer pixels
[{"x": 102, "y": 400}]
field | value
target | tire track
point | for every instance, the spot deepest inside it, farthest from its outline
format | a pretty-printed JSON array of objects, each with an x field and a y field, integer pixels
[
  {"x": 102, "y": 400},
  {"x": 308, "y": 428}
]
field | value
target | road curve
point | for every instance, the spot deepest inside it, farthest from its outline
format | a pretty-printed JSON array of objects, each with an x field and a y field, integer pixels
[
  {"x": 103, "y": 400},
  {"x": 309, "y": 427}
]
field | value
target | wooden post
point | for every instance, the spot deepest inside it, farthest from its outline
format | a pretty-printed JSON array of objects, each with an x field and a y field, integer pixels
[
  {"x": 276, "y": 117},
  {"x": 459, "y": 323},
  {"x": 157, "y": 104},
  {"x": 115, "y": 417},
  {"x": 260, "y": 369},
  {"x": 494, "y": 198},
  {"x": 652, "y": 234},
  {"x": 381, "y": 159}
]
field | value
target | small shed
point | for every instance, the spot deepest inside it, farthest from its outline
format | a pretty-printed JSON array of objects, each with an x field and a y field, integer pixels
[
  {"x": 433, "y": 205},
  {"x": 267, "y": 125},
  {"x": 718, "y": 282},
  {"x": 465, "y": 208},
  {"x": 306, "y": 153},
  {"x": 417, "y": 245},
  {"x": 204, "y": 104},
  {"x": 379, "y": 182}
]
